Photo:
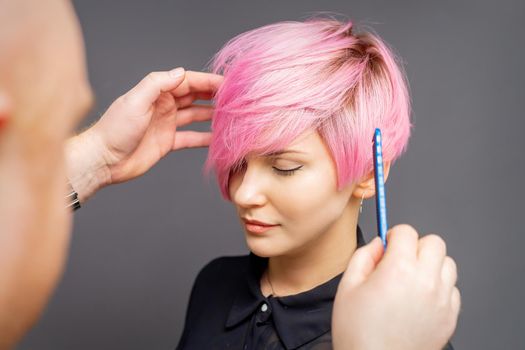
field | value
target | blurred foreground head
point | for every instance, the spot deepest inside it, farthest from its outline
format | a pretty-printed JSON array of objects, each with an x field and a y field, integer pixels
[{"x": 44, "y": 91}]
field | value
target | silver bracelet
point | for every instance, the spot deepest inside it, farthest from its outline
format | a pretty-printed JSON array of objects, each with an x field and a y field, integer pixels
[{"x": 72, "y": 198}]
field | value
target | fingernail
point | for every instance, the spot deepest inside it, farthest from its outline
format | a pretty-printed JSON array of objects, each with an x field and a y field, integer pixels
[{"x": 177, "y": 72}]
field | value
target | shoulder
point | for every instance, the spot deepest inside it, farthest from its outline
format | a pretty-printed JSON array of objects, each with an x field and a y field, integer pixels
[
  {"x": 216, "y": 284},
  {"x": 211, "y": 297},
  {"x": 225, "y": 264},
  {"x": 223, "y": 273}
]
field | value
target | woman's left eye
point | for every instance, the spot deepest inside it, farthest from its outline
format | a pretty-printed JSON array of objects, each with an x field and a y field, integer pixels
[{"x": 286, "y": 172}]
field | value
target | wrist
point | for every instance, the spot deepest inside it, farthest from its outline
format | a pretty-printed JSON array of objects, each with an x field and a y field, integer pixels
[{"x": 86, "y": 167}]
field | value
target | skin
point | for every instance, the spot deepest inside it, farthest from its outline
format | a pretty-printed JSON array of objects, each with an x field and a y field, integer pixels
[
  {"x": 316, "y": 236},
  {"x": 140, "y": 128},
  {"x": 379, "y": 302},
  {"x": 40, "y": 104},
  {"x": 42, "y": 101},
  {"x": 407, "y": 293}
]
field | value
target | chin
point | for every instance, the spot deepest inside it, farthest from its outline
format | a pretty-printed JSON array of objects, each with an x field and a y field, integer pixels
[{"x": 263, "y": 247}]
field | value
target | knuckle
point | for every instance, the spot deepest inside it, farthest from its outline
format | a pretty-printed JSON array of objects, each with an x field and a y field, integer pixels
[
  {"x": 123, "y": 99},
  {"x": 457, "y": 296},
  {"x": 404, "y": 230},
  {"x": 436, "y": 243},
  {"x": 452, "y": 265},
  {"x": 154, "y": 77},
  {"x": 128, "y": 99},
  {"x": 409, "y": 231},
  {"x": 452, "y": 322},
  {"x": 360, "y": 254},
  {"x": 428, "y": 284},
  {"x": 402, "y": 268},
  {"x": 455, "y": 302}
]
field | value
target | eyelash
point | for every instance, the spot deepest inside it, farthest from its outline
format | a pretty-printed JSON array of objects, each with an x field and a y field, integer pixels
[{"x": 288, "y": 172}]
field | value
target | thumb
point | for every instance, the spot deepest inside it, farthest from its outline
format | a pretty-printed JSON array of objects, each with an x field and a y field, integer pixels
[
  {"x": 148, "y": 90},
  {"x": 363, "y": 263}
]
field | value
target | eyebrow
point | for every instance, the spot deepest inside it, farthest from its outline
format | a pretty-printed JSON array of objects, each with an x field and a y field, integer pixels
[{"x": 278, "y": 153}]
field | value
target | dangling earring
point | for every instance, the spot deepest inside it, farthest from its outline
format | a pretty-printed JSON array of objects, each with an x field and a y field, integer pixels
[{"x": 361, "y": 206}]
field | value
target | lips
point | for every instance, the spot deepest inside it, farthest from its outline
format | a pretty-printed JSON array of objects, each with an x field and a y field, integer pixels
[
  {"x": 258, "y": 223},
  {"x": 256, "y": 226}
]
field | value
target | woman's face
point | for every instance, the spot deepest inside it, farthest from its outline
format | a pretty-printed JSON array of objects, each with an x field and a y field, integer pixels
[{"x": 296, "y": 191}]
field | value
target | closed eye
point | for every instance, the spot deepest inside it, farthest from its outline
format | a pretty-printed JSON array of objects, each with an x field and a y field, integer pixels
[{"x": 286, "y": 172}]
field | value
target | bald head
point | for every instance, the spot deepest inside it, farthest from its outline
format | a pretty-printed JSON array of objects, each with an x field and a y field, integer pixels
[
  {"x": 25, "y": 21},
  {"x": 44, "y": 91},
  {"x": 42, "y": 64}
]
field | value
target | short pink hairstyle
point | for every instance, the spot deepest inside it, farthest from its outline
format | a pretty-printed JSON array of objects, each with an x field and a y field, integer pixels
[{"x": 283, "y": 79}]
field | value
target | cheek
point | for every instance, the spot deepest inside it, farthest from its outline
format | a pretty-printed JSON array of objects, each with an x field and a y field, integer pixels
[
  {"x": 310, "y": 202},
  {"x": 233, "y": 184}
]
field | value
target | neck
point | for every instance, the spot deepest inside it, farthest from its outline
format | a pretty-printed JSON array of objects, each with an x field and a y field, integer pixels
[{"x": 318, "y": 262}]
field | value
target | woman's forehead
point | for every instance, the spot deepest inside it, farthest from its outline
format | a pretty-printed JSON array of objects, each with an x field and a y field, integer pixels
[{"x": 307, "y": 144}]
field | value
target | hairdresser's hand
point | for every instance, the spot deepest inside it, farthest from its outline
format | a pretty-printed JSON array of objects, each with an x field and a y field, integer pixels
[
  {"x": 402, "y": 299},
  {"x": 140, "y": 128}
]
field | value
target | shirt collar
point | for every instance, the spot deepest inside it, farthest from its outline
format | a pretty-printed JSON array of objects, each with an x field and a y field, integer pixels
[{"x": 298, "y": 318}]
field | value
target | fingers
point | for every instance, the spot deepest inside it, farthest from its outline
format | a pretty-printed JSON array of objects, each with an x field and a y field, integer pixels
[
  {"x": 195, "y": 113},
  {"x": 436, "y": 265},
  {"x": 198, "y": 82},
  {"x": 185, "y": 101},
  {"x": 362, "y": 263},
  {"x": 456, "y": 301},
  {"x": 186, "y": 87},
  {"x": 149, "y": 89},
  {"x": 431, "y": 253},
  {"x": 402, "y": 243},
  {"x": 449, "y": 274},
  {"x": 191, "y": 139}
]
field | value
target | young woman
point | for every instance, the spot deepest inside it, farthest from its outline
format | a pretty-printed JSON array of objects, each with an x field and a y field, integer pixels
[{"x": 291, "y": 148}]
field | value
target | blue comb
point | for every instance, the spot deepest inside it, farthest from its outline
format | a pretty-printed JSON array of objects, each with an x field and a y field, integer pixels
[{"x": 382, "y": 226}]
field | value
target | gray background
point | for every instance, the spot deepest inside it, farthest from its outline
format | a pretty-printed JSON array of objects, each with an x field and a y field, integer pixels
[{"x": 137, "y": 247}]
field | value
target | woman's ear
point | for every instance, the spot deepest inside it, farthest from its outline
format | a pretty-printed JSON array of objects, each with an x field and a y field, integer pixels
[
  {"x": 5, "y": 109},
  {"x": 366, "y": 188}
]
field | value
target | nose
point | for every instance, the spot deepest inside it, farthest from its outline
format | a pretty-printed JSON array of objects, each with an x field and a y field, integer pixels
[{"x": 247, "y": 185}]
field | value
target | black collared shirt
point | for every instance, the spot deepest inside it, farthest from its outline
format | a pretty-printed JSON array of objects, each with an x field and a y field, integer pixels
[{"x": 228, "y": 311}]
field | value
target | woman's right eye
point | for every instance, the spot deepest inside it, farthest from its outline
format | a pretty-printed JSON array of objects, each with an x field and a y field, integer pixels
[
  {"x": 287, "y": 172},
  {"x": 241, "y": 167}
]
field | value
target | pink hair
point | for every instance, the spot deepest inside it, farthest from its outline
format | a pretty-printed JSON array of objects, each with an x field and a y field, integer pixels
[{"x": 285, "y": 78}]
